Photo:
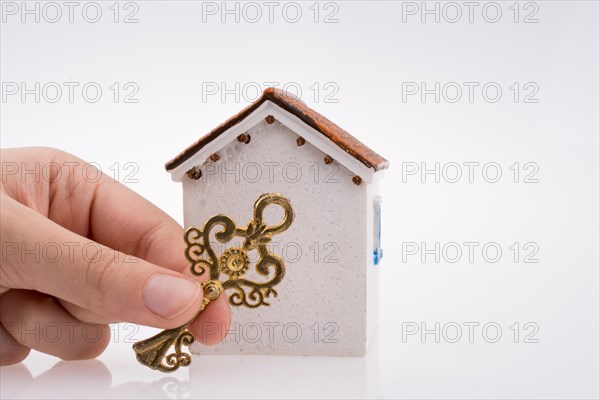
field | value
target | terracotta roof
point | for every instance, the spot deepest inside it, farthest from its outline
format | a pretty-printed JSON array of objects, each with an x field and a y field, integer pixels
[{"x": 337, "y": 135}]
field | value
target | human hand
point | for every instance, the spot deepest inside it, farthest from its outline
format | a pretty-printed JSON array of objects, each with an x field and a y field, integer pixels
[{"x": 78, "y": 254}]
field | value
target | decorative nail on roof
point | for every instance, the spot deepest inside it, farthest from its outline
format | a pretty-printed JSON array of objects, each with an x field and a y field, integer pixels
[{"x": 295, "y": 106}]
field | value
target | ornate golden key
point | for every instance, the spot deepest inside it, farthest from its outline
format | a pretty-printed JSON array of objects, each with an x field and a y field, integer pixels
[{"x": 234, "y": 262}]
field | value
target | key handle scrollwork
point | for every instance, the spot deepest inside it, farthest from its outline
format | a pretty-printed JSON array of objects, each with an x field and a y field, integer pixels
[{"x": 232, "y": 265}]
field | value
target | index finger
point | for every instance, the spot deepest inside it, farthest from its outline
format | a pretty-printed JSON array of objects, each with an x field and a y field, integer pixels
[{"x": 89, "y": 203}]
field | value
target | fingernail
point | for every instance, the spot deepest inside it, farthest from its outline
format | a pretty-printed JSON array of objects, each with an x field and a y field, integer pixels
[{"x": 169, "y": 296}]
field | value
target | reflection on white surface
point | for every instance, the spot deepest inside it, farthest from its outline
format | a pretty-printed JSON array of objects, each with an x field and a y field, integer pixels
[
  {"x": 208, "y": 377},
  {"x": 84, "y": 379},
  {"x": 284, "y": 377}
]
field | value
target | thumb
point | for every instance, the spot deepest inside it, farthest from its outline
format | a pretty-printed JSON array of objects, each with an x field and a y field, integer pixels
[{"x": 38, "y": 254}]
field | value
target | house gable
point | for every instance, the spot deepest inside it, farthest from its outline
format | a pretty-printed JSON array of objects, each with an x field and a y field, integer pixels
[{"x": 294, "y": 114}]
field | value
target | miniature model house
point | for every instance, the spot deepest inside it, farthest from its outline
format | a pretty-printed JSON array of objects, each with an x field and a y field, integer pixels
[{"x": 327, "y": 303}]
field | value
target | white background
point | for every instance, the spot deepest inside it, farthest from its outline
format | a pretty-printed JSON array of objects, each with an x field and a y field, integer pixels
[{"x": 171, "y": 54}]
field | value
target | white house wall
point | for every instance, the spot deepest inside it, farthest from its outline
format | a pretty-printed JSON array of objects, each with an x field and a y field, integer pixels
[{"x": 322, "y": 303}]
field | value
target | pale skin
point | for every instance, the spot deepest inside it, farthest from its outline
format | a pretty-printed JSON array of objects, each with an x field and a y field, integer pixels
[{"x": 79, "y": 254}]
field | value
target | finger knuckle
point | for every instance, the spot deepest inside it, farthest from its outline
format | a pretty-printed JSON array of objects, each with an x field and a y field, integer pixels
[
  {"x": 94, "y": 339},
  {"x": 99, "y": 272}
]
